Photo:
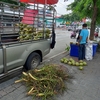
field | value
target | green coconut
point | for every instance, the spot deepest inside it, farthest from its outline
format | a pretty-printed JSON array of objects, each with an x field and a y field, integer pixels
[
  {"x": 80, "y": 67},
  {"x": 69, "y": 63},
  {"x": 74, "y": 63},
  {"x": 71, "y": 59},
  {"x": 65, "y": 61},
  {"x": 77, "y": 64},
  {"x": 62, "y": 60},
  {"x": 80, "y": 61},
  {"x": 81, "y": 64},
  {"x": 84, "y": 63}
]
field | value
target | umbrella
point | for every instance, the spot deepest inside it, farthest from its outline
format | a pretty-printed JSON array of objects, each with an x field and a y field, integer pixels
[{"x": 50, "y": 2}]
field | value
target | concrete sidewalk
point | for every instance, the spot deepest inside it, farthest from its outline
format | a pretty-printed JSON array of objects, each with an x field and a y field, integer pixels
[{"x": 85, "y": 86}]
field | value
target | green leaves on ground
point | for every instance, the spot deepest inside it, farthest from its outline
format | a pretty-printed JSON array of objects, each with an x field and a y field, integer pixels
[{"x": 47, "y": 81}]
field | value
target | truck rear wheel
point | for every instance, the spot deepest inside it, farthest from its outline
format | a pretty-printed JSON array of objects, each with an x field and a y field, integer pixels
[{"x": 33, "y": 61}]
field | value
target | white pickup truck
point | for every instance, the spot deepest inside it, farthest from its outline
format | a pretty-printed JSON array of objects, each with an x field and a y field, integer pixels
[{"x": 22, "y": 42}]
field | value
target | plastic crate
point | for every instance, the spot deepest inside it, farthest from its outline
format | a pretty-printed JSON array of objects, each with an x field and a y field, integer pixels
[
  {"x": 94, "y": 48},
  {"x": 74, "y": 50}
]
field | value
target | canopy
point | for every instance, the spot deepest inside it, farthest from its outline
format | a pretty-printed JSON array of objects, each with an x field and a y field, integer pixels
[{"x": 40, "y": 1}]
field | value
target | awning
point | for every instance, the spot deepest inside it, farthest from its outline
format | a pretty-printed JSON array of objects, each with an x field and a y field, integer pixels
[{"x": 40, "y": 1}]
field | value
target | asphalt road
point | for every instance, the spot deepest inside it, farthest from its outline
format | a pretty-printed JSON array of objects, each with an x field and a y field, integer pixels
[{"x": 62, "y": 39}]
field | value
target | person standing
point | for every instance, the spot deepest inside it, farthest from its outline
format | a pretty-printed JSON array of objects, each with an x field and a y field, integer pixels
[{"x": 83, "y": 38}]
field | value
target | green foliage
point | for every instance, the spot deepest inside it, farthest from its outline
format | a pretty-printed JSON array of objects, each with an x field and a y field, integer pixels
[
  {"x": 88, "y": 24},
  {"x": 46, "y": 82},
  {"x": 71, "y": 17},
  {"x": 67, "y": 48},
  {"x": 87, "y": 9},
  {"x": 84, "y": 8},
  {"x": 12, "y": 2}
]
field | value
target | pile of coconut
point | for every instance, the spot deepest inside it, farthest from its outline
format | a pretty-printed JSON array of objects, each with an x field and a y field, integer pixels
[{"x": 72, "y": 62}]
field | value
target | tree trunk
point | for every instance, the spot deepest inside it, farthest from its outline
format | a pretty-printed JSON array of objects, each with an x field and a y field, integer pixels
[{"x": 93, "y": 22}]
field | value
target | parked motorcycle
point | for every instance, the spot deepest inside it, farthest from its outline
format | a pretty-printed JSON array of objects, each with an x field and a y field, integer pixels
[{"x": 73, "y": 34}]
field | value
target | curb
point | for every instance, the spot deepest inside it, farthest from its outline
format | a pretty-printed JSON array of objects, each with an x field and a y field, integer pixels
[{"x": 55, "y": 56}]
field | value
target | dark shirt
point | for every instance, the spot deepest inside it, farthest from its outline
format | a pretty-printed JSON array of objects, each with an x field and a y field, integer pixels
[{"x": 78, "y": 35}]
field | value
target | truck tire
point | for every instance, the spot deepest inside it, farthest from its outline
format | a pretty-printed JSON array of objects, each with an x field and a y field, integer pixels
[{"x": 33, "y": 61}]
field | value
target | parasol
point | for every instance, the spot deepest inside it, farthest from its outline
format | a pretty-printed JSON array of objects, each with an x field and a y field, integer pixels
[{"x": 50, "y": 2}]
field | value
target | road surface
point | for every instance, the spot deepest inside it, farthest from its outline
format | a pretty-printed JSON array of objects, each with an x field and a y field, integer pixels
[{"x": 62, "y": 39}]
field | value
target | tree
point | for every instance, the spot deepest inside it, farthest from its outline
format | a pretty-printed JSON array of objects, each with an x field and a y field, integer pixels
[
  {"x": 15, "y": 2},
  {"x": 10, "y": 1},
  {"x": 71, "y": 17},
  {"x": 87, "y": 8}
]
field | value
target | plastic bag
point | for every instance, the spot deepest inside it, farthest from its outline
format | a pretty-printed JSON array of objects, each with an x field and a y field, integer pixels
[{"x": 89, "y": 51}]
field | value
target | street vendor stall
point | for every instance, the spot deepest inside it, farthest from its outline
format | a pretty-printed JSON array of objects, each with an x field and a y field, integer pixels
[{"x": 74, "y": 49}]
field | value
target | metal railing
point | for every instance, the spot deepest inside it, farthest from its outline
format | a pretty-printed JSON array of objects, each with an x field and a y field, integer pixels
[{"x": 13, "y": 16}]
